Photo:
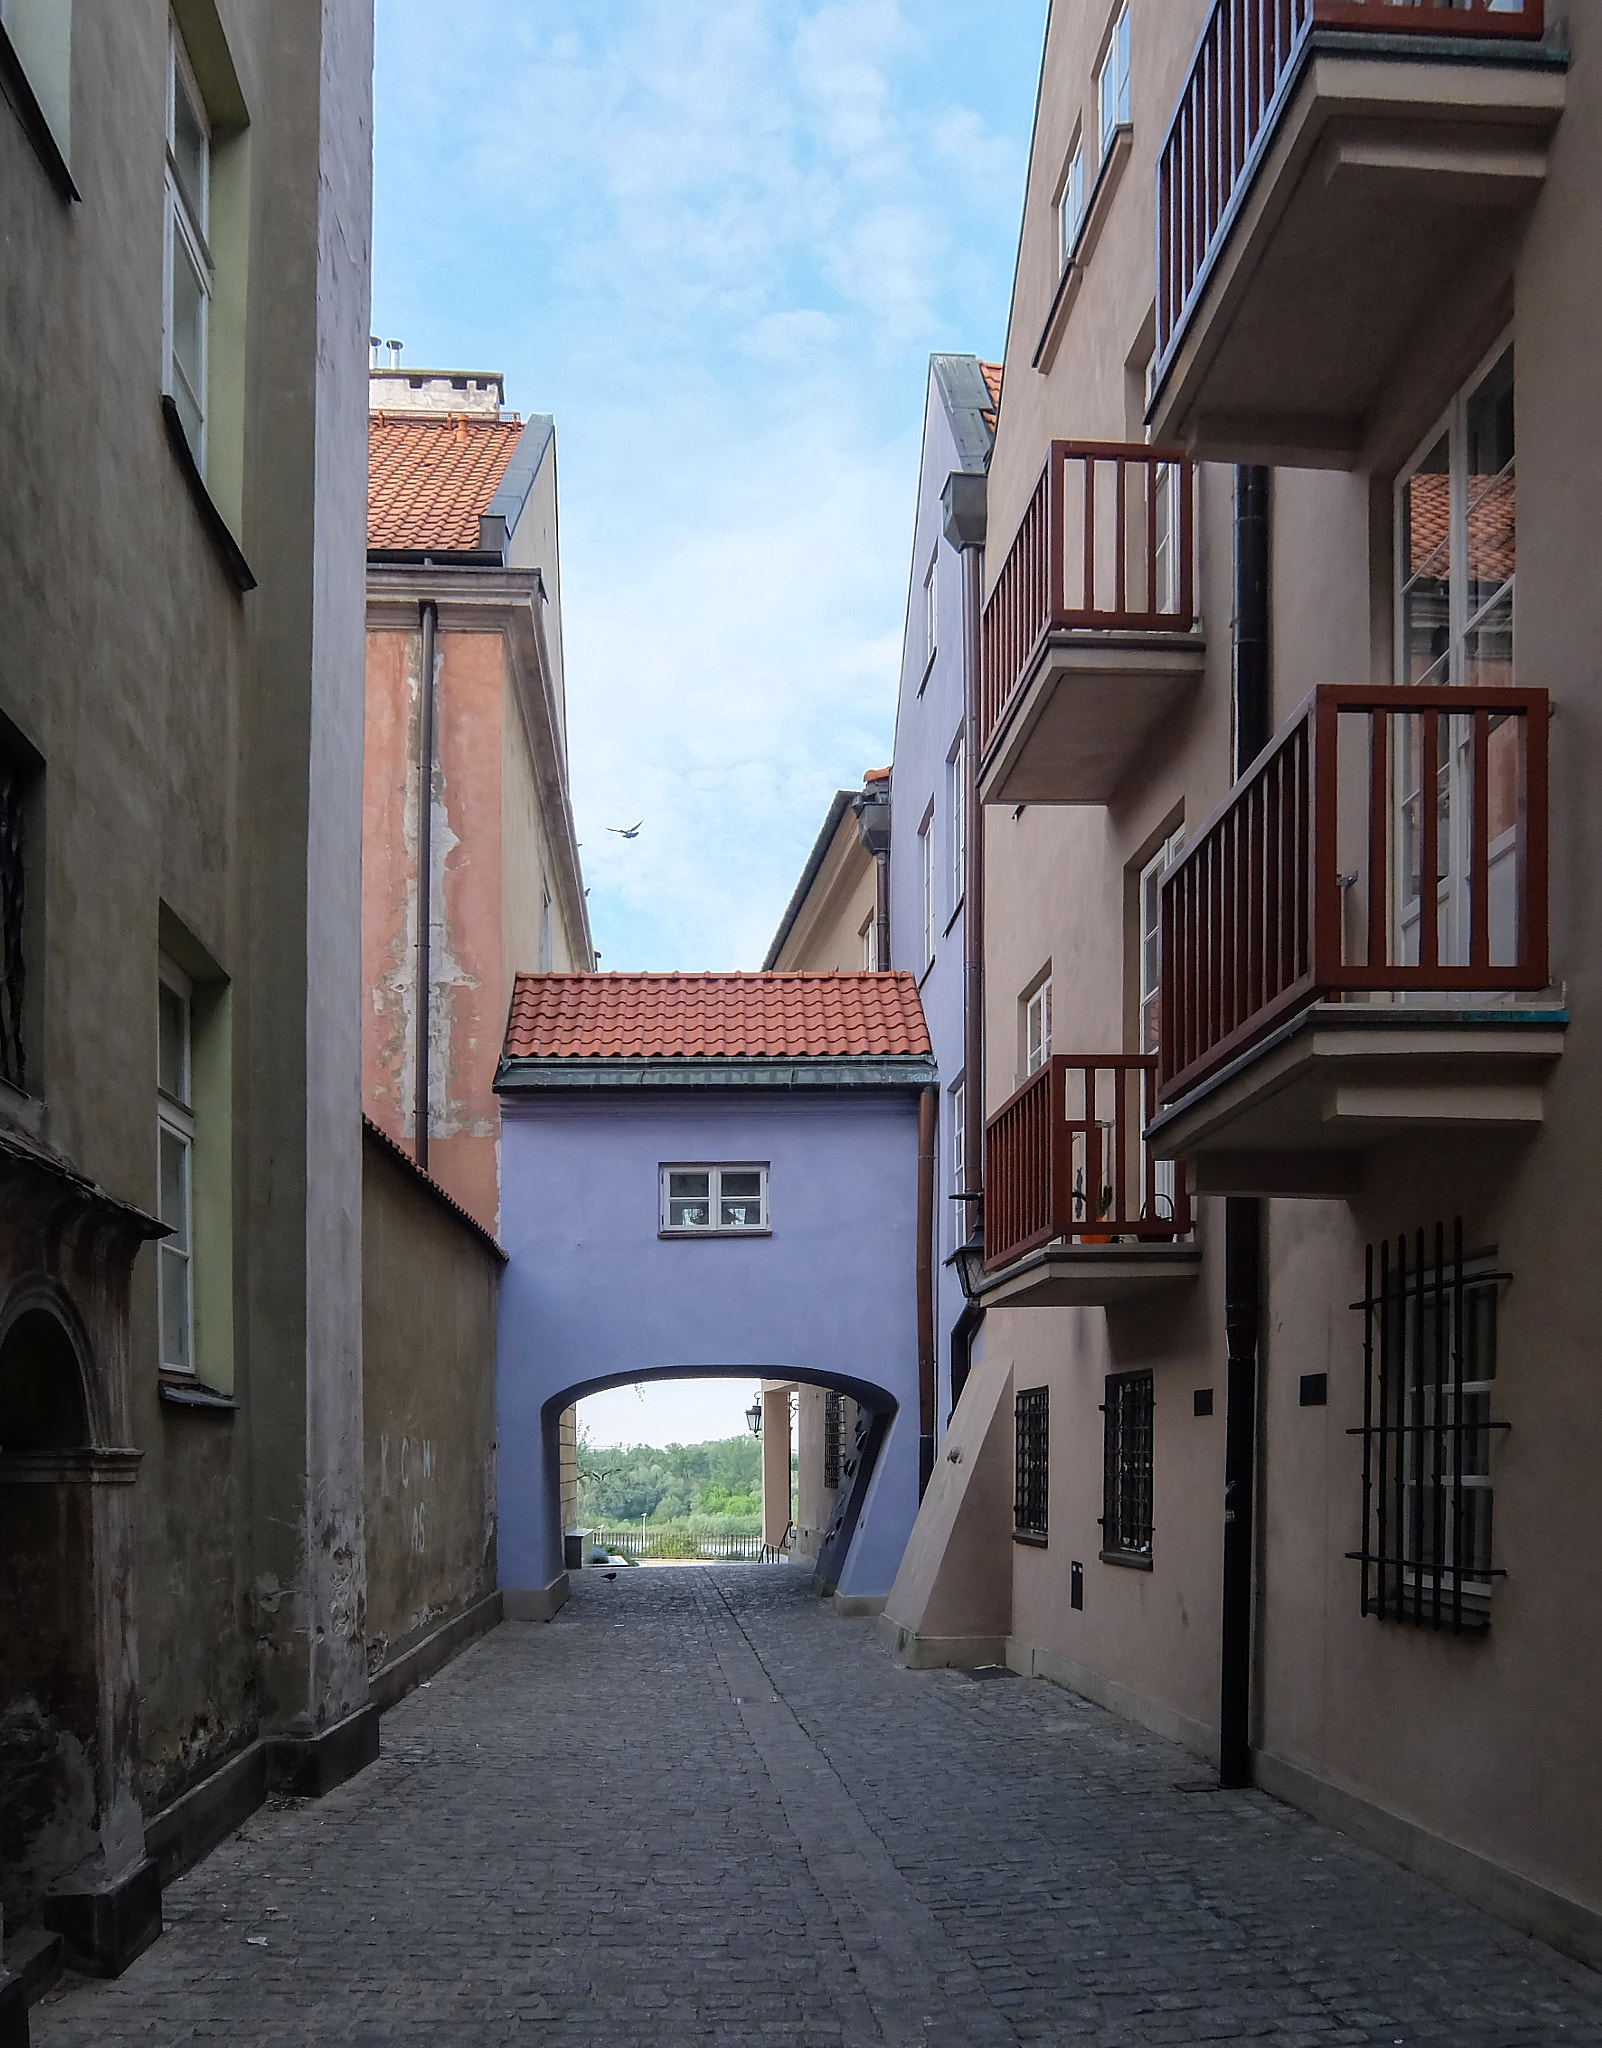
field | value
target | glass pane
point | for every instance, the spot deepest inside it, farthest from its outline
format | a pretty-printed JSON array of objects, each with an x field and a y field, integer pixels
[
  {"x": 1488, "y": 644},
  {"x": 172, "y": 1063},
  {"x": 689, "y": 1184},
  {"x": 1490, "y": 494},
  {"x": 188, "y": 321},
  {"x": 740, "y": 1215},
  {"x": 175, "y": 1188},
  {"x": 745, "y": 1187},
  {"x": 189, "y": 148},
  {"x": 1426, "y": 565},
  {"x": 174, "y": 1290},
  {"x": 689, "y": 1215}
]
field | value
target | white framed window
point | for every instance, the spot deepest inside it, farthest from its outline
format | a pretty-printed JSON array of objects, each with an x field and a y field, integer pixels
[
  {"x": 186, "y": 255},
  {"x": 957, "y": 810},
  {"x": 869, "y": 936},
  {"x": 1151, "y": 937},
  {"x": 175, "y": 1146},
  {"x": 1112, "y": 83},
  {"x": 931, "y": 609},
  {"x": 1071, "y": 206},
  {"x": 547, "y": 935},
  {"x": 1037, "y": 1027},
  {"x": 959, "y": 1151},
  {"x": 713, "y": 1201},
  {"x": 926, "y": 871}
]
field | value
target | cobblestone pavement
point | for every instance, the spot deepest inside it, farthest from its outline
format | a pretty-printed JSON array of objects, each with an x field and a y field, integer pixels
[{"x": 699, "y": 1808}]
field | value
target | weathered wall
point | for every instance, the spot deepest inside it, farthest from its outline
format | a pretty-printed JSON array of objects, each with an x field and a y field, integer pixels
[{"x": 429, "y": 1286}]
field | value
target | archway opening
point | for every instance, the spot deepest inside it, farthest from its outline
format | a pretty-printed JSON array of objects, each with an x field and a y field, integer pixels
[{"x": 49, "y": 1688}]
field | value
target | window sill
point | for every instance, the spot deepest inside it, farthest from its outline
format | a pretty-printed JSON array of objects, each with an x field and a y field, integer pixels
[
  {"x": 1029, "y": 1539},
  {"x": 15, "y": 84},
  {"x": 688, "y": 1236},
  {"x": 183, "y": 1393},
  {"x": 952, "y": 919},
  {"x": 1129, "y": 1560},
  {"x": 926, "y": 972},
  {"x": 234, "y": 564}
]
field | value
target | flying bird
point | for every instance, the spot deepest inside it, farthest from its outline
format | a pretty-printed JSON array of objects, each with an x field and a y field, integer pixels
[{"x": 626, "y": 831}]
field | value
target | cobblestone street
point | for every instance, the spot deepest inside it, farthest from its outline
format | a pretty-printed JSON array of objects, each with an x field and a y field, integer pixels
[{"x": 698, "y": 1807}]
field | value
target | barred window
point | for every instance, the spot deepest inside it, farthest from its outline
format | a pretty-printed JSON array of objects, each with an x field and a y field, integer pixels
[
  {"x": 1032, "y": 1425},
  {"x": 13, "y": 793},
  {"x": 833, "y": 1439},
  {"x": 1429, "y": 1352},
  {"x": 1126, "y": 1486}
]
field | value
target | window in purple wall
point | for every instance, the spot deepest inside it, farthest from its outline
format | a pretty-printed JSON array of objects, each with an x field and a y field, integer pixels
[{"x": 720, "y": 1201}]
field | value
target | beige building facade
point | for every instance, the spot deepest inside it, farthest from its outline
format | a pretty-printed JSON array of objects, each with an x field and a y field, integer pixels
[{"x": 1288, "y": 928}]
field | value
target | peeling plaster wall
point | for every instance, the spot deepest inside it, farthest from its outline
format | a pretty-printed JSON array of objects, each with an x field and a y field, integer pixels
[{"x": 429, "y": 1287}]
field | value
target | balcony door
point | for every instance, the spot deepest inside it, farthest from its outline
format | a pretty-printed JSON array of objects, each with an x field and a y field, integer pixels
[{"x": 1456, "y": 557}]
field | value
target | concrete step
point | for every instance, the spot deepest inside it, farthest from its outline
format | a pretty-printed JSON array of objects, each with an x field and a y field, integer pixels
[{"x": 34, "y": 1958}]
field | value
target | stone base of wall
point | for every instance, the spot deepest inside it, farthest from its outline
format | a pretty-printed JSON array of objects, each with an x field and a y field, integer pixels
[
  {"x": 311, "y": 1766},
  {"x": 940, "y": 1653},
  {"x": 856, "y": 1606},
  {"x": 191, "y": 1827},
  {"x": 1196, "y": 1736},
  {"x": 403, "y": 1674},
  {"x": 13, "y": 2012},
  {"x": 103, "y": 1927},
  {"x": 535, "y": 1603},
  {"x": 1551, "y": 1916}
]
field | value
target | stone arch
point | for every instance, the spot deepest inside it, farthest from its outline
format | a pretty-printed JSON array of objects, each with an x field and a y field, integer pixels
[{"x": 51, "y": 1734}]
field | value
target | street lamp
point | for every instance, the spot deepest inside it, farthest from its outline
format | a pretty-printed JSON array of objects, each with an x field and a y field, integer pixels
[
  {"x": 753, "y": 1417},
  {"x": 969, "y": 1260}
]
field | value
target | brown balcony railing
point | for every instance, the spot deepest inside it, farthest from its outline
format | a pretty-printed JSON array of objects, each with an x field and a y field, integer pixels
[
  {"x": 1105, "y": 543},
  {"x": 1245, "y": 65},
  {"x": 1306, "y": 884},
  {"x": 1065, "y": 1157}
]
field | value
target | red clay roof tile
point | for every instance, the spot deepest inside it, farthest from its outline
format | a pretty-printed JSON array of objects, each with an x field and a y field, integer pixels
[
  {"x": 991, "y": 372},
  {"x": 716, "y": 1016},
  {"x": 430, "y": 480}
]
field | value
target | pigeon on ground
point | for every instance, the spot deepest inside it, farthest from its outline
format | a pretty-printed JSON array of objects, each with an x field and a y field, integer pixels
[{"x": 609, "y": 1575}]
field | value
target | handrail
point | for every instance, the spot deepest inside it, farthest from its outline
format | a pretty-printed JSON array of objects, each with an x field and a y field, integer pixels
[
  {"x": 1304, "y": 883},
  {"x": 1110, "y": 550},
  {"x": 1065, "y": 1157},
  {"x": 1246, "y": 63}
]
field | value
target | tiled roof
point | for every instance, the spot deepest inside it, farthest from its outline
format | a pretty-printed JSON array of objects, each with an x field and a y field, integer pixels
[
  {"x": 716, "y": 1016},
  {"x": 991, "y": 372},
  {"x": 430, "y": 480},
  {"x": 1491, "y": 526},
  {"x": 875, "y": 775}
]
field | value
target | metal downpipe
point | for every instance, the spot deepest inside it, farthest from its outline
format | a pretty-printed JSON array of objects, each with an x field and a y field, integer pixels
[{"x": 425, "y": 878}]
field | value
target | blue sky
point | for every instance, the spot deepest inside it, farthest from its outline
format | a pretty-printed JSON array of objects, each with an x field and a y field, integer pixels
[{"x": 718, "y": 239}]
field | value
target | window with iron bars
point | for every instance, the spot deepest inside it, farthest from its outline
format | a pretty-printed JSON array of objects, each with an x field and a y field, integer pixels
[
  {"x": 833, "y": 1439},
  {"x": 1126, "y": 1483},
  {"x": 1429, "y": 1358},
  {"x": 1032, "y": 1428},
  {"x": 14, "y": 778}
]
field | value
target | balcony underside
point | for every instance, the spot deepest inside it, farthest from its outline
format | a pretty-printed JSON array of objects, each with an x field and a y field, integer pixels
[
  {"x": 1392, "y": 176},
  {"x": 1092, "y": 1275},
  {"x": 1298, "y": 1114},
  {"x": 1088, "y": 708}
]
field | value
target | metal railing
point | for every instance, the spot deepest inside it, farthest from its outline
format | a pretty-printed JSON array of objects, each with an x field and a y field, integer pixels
[
  {"x": 685, "y": 1545},
  {"x": 1244, "y": 68},
  {"x": 1306, "y": 883},
  {"x": 1105, "y": 543},
  {"x": 1066, "y": 1157}
]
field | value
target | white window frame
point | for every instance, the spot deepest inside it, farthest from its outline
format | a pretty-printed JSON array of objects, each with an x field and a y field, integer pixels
[
  {"x": 1149, "y": 911},
  {"x": 175, "y": 1125},
  {"x": 869, "y": 935},
  {"x": 1037, "y": 1026},
  {"x": 1071, "y": 205},
  {"x": 959, "y": 1149},
  {"x": 1112, "y": 83},
  {"x": 957, "y": 806},
  {"x": 926, "y": 848},
  {"x": 931, "y": 609},
  {"x": 184, "y": 237},
  {"x": 714, "y": 1170}
]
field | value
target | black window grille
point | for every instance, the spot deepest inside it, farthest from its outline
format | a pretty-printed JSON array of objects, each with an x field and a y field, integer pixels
[
  {"x": 833, "y": 1439},
  {"x": 13, "y": 794},
  {"x": 1126, "y": 1485},
  {"x": 1429, "y": 1358},
  {"x": 1032, "y": 1427}
]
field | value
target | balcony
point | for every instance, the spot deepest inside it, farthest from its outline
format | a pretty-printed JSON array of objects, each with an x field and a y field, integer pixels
[
  {"x": 1078, "y": 1212},
  {"x": 1088, "y": 642},
  {"x": 1311, "y": 1008},
  {"x": 1340, "y": 189}
]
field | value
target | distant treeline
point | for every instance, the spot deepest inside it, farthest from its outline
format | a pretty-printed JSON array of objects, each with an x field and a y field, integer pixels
[{"x": 683, "y": 1482}]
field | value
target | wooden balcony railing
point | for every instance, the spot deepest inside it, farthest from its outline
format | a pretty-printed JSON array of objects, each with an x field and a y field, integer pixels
[
  {"x": 1306, "y": 883},
  {"x": 1105, "y": 543},
  {"x": 1245, "y": 65},
  {"x": 1065, "y": 1157}
]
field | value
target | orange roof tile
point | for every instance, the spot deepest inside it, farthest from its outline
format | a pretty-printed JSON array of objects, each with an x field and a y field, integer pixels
[
  {"x": 430, "y": 480},
  {"x": 991, "y": 372},
  {"x": 716, "y": 1016}
]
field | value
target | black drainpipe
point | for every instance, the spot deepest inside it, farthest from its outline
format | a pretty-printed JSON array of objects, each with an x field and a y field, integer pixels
[
  {"x": 425, "y": 876},
  {"x": 1243, "y": 1215}
]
